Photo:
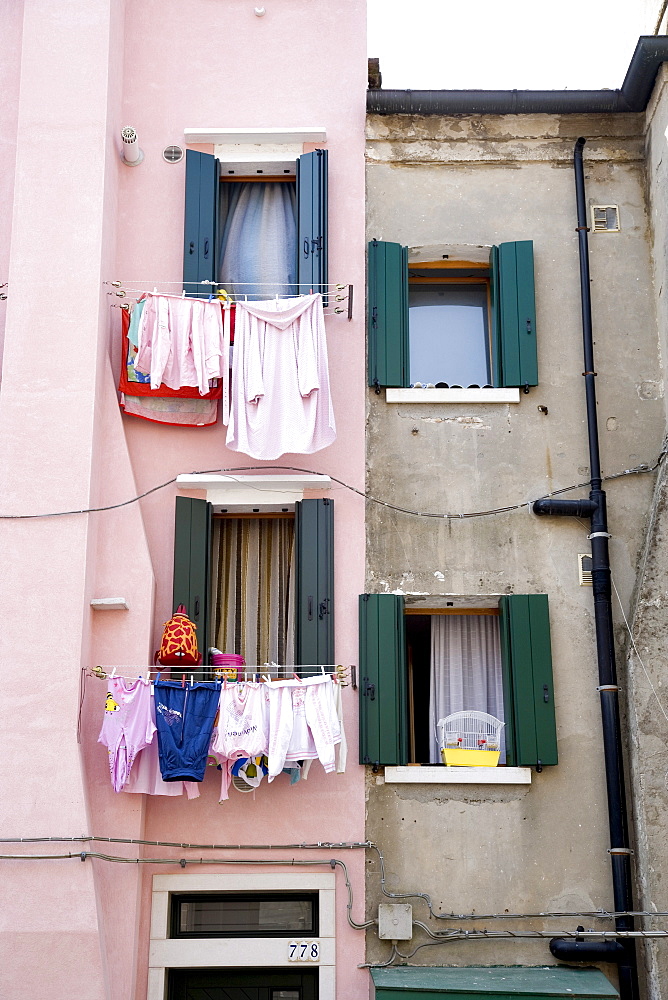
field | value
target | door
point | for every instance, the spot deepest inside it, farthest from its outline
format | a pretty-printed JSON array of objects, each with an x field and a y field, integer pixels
[{"x": 238, "y": 984}]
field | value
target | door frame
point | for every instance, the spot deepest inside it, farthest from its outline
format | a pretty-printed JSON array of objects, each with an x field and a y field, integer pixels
[{"x": 219, "y": 953}]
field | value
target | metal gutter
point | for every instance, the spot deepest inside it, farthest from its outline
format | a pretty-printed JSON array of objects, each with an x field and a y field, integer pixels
[{"x": 633, "y": 95}]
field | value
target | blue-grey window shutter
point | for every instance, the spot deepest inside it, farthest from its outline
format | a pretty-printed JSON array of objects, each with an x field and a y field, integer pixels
[
  {"x": 514, "y": 314},
  {"x": 528, "y": 690},
  {"x": 312, "y": 221},
  {"x": 388, "y": 315},
  {"x": 200, "y": 222},
  {"x": 382, "y": 680},
  {"x": 314, "y": 581},
  {"x": 192, "y": 560}
]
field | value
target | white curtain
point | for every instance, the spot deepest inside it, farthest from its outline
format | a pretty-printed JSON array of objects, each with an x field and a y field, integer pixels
[
  {"x": 465, "y": 669},
  {"x": 259, "y": 237},
  {"x": 253, "y": 588}
]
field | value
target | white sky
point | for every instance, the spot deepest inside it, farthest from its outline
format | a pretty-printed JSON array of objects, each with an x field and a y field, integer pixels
[{"x": 506, "y": 44}]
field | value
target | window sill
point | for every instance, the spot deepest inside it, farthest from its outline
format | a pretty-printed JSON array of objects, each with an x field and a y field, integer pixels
[
  {"x": 458, "y": 775},
  {"x": 452, "y": 395}
]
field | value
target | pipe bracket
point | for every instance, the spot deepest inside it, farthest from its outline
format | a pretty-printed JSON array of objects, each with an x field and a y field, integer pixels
[
  {"x": 590, "y": 373},
  {"x": 600, "y": 534},
  {"x": 620, "y": 850},
  {"x": 608, "y": 687}
]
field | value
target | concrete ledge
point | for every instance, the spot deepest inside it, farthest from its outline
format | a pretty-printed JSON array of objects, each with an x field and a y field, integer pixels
[
  {"x": 452, "y": 395},
  {"x": 458, "y": 775}
]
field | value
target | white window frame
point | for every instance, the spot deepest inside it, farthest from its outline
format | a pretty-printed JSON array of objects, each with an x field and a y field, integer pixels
[{"x": 220, "y": 953}]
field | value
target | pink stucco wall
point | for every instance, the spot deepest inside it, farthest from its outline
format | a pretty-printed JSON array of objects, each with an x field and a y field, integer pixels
[{"x": 77, "y": 217}]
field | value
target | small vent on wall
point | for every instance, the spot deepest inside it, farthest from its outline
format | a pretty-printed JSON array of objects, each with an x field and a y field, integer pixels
[
  {"x": 605, "y": 218},
  {"x": 172, "y": 154},
  {"x": 584, "y": 569}
]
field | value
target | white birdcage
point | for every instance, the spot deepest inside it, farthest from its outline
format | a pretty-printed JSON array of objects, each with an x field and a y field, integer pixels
[{"x": 470, "y": 739}]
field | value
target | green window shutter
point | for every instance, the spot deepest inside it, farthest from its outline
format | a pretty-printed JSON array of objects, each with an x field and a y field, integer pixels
[
  {"x": 513, "y": 314},
  {"x": 192, "y": 557},
  {"x": 382, "y": 680},
  {"x": 312, "y": 221},
  {"x": 528, "y": 691},
  {"x": 314, "y": 581},
  {"x": 200, "y": 222},
  {"x": 388, "y": 315}
]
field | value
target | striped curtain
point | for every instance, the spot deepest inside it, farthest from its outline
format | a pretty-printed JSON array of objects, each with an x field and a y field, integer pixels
[{"x": 253, "y": 588}]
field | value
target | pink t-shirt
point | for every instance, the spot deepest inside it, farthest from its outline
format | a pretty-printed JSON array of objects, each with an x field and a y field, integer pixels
[{"x": 127, "y": 726}]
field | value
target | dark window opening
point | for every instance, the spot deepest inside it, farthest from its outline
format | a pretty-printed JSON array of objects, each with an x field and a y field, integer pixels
[
  {"x": 206, "y": 915},
  {"x": 454, "y": 665}
]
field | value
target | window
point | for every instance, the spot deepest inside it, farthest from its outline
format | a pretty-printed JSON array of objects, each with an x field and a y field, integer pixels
[
  {"x": 253, "y": 586},
  {"x": 408, "y": 307},
  {"x": 201, "y": 915},
  {"x": 389, "y": 703},
  {"x": 453, "y": 664},
  {"x": 309, "y": 602},
  {"x": 227, "y": 224},
  {"x": 448, "y": 326}
]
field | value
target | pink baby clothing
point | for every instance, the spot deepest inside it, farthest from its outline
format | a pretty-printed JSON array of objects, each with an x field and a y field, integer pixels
[
  {"x": 181, "y": 342},
  {"x": 280, "y": 400},
  {"x": 243, "y": 727},
  {"x": 127, "y": 726}
]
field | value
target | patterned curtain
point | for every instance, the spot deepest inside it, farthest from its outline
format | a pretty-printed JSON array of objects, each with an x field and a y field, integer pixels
[{"x": 253, "y": 588}]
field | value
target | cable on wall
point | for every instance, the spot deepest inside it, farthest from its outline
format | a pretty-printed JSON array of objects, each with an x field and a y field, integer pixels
[{"x": 636, "y": 470}]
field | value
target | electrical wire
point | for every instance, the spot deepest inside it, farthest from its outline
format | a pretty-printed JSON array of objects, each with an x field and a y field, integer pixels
[
  {"x": 636, "y": 470},
  {"x": 320, "y": 845},
  {"x": 601, "y": 914},
  {"x": 85, "y": 838},
  {"x": 635, "y": 649},
  {"x": 333, "y": 863}
]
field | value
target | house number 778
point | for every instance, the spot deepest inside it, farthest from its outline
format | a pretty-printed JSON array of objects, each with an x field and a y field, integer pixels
[{"x": 303, "y": 951}]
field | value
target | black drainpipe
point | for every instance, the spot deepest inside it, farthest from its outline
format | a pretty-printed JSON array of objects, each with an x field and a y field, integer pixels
[{"x": 620, "y": 853}]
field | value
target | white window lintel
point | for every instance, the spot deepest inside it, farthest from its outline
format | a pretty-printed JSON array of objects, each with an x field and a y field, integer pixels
[
  {"x": 307, "y": 133},
  {"x": 257, "y": 491}
]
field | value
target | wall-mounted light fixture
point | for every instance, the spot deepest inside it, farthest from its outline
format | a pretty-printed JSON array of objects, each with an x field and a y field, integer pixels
[
  {"x": 131, "y": 154},
  {"x": 260, "y": 11}
]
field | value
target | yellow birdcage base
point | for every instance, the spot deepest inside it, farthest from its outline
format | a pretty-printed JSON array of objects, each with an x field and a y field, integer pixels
[{"x": 458, "y": 757}]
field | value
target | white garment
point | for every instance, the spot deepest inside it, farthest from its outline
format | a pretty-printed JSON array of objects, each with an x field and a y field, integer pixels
[
  {"x": 281, "y": 721},
  {"x": 243, "y": 722},
  {"x": 280, "y": 400},
  {"x": 181, "y": 342},
  {"x": 343, "y": 744},
  {"x": 243, "y": 727},
  {"x": 303, "y": 723}
]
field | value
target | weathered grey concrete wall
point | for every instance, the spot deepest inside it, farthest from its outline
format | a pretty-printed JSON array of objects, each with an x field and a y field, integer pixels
[
  {"x": 484, "y": 181},
  {"x": 647, "y": 663}
]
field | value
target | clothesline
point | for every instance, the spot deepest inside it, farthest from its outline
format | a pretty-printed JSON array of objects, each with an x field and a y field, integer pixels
[
  {"x": 327, "y": 289},
  {"x": 287, "y": 284},
  {"x": 270, "y": 670}
]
